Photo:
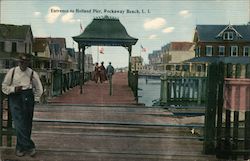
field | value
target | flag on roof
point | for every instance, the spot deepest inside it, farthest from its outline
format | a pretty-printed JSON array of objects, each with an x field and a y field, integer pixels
[
  {"x": 81, "y": 28},
  {"x": 101, "y": 50},
  {"x": 143, "y": 49}
]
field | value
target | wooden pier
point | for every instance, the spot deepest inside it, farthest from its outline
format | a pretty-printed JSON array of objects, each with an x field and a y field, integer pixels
[
  {"x": 97, "y": 126},
  {"x": 98, "y": 93},
  {"x": 90, "y": 133}
]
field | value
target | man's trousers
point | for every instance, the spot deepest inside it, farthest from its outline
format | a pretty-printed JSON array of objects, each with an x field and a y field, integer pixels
[{"x": 21, "y": 105}]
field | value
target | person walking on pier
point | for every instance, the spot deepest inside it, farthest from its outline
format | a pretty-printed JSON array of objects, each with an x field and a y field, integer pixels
[
  {"x": 23, "y": 87},
  {"x": 103, "y": 76},
  {"x": 96, "y": 75},
  {"x": 110, "y": 71}
]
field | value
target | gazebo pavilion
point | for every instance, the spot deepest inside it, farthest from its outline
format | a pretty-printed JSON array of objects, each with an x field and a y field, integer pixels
[{"x": 104, "y": 31}]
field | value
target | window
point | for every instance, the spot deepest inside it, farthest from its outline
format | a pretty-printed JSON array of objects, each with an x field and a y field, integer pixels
[
  {"x": 7, "y": 64},
  {"x": 25, "y": 47},
  {"x": 14, "y": 47},
  {"x": 209, "y": 50},
  {"x": 198, "y": 51},
  {"x": 30, "y": 48},
  {"x": 168, "y": 67},
  {"x": 246, "y": 51},
  {"x": 234, "y": 50},
  {"x": 199, "y": 68},
  {"x": 185, "y": 67},
  {"x": 228, "y": 35},
  {"x": 1, "y": 46},
  {"x": 221, "y": 50},
  {"x": 177, "y": 67}
]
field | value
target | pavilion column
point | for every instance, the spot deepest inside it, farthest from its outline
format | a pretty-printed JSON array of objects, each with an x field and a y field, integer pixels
[
  {"x": 129, "y": 65},
  {"x": 80, "y": 68},
  {"x": 81, "y": 63},
  {"x": 129, "y": 58}
]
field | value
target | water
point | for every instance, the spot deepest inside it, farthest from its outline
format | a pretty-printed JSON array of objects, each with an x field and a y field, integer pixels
[{"x": 150, "y": 91}]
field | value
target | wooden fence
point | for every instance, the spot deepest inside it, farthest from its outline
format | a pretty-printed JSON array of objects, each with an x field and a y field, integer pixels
[
  {"x": 183, "y": 90},
  {"x": 225, "y": 92},
  {"x": 227, "y": 127}
]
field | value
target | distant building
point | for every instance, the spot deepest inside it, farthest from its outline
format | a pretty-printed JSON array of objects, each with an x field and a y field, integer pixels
[
  {"x": 88, "y": 62},
  {"x": 177, "y": 53},
  {"x": 51, "y": 53},
  {"x": 222, "y": 42},
  {"x": 171, "y": 55},
  {"x": 89, "y": 66},
  {"x": 14, "y": 39},
  {"x": 180, "y": 51},
  {"x": 155, "y": 59},
  {"x": 72, "y": 59},
  {"x": 41, "y": 51},
  {"x": 58, "y": 52},
  {"x": 136, "y": 63}
]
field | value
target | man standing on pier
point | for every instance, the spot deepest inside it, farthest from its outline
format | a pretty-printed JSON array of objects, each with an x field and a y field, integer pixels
[
  {"x": 23, "y": 87},
  {"x": 110, "y": 71}
]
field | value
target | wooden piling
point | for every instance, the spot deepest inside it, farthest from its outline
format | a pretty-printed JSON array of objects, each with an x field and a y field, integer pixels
[
  {"x": 210, "y": 111},
  {"x": 247, "y": 121}
]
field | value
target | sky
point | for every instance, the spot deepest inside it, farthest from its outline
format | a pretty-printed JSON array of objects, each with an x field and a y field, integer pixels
[{"x": 160, "y": 22}]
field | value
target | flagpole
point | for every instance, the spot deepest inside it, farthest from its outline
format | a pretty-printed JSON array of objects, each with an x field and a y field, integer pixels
[
  {"x": 81, "y": 29},
  {"x": 97, "y": 54},
  {"x": 140, "y": 51}
]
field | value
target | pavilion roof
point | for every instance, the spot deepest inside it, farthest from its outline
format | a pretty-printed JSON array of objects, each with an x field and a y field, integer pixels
[{"x": 105, "y": 31}]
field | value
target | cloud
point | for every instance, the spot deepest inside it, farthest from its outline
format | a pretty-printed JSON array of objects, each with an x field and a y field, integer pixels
[
  {"x": 52, "y": 14},
  {"x": 184, "y": 13},
  {"x": 152, "y": 37},
  {"x": 36, "y": 14},
  {"x": 154, "y": 23},
  {"x": 69, "y": 18},
  {"x": 168, "y": 29}
]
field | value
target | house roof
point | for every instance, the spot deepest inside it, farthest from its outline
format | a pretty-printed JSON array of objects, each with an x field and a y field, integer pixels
[
  {"x": 105, "y": 31},
  {"x": 55, "y": 44},
  {"x": 8, "y": 31},
  {"x": 39, "y": 44},
  {"x": 57, "y": 40},
  {"x": 155, "y": 54},
  {"x": 209, "y": 33},
  {"x": 181, "y": 46},
  {"x": 53, "y": 40},
  {"x": 216, "y": 59}
]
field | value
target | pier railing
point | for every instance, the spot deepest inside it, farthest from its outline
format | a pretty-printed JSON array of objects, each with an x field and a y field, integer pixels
[
  {"x": 6, "y": 129},
  {"x": 183, "y": 89},
  {"x": 55, "y": 83},
  {"x": 227, "y": 115}
]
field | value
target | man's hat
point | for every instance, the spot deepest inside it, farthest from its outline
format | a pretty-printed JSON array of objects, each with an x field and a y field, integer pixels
[{"x": 24, "y": 57}]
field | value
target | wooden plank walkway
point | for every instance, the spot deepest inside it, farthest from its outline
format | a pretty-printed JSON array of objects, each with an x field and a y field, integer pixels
[
  {"x": 98, "y": 93},
  {"x": 94, "y": 126},
  {"x": 90, "y": 133}
]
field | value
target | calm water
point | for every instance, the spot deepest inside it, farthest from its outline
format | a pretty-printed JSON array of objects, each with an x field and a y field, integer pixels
[{"x": 149, "y": 91}]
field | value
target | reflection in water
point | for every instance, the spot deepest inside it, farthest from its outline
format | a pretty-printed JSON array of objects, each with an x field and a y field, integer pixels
[{"x": 150, "y": 91}]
